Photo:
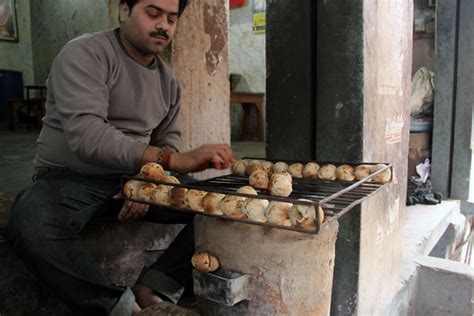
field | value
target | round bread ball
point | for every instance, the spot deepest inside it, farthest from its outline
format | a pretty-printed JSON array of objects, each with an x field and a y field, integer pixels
[
  {"x": 382, "y": 177},
  {"x": 362, "y": 172},
  {"x": 204, "y": 262},
  {"x": 277, "y": 213},
  {"x": 145, "y": 192},
  {"x": 168, "y": 179},
  {"x": 211, "y": 201},
  {"x": 304, "y": 216},
  {"x": 247, "y": 190},
  {"x": 296, "y": 170},
  {"x": 268, "y": 167},
  {"x": 280, "y": 167},
  {"x": 238, "y": 167},
  {"x": 280, "y": 184},
  {"x": 252, "y": 166},
  {"x": 345, "y": 173},
  {"x": 193, "y": 199},
  {"x": 131, "y": 187},
  {"x": 327, "y": 172},
  {"x": 259, "y": 179},
  {"x": 231, "y": 205},
  {"x": 152, "y": 171},
  {"x": 161, "y": 195},
  {"x": 178, "y": 197},
  {"x": 310, "y": 170},
  {"x": 254, "y": 209}
]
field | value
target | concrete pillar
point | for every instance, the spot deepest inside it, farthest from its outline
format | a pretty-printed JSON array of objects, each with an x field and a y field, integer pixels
[
  {"x": 387, "y": 55},
  {"x": 339, "y": 127},
  {"x": 363, "y": 115},
  {"x": 453, "y": 107},
  {"x": 290, "y": 79},
  {"x": 200, "y": 57},
  {"x": 292, "y": 271},
  {"x": 363, "y": 54}
]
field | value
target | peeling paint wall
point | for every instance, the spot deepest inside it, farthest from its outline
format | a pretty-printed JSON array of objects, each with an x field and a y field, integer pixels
[
  {"x": 200, "y": 58},
  {"x": 18, "y": 56},
  {"x": 247, "y": 58},
  {"x": 54, "y": 23}
]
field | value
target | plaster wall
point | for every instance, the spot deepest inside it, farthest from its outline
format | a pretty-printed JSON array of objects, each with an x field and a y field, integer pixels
[
  {"x": 18, "y": 55},
  {"x": 287, "y": 278},
  {"x": 113, "y": 13},
  {"x": 247, "y": 58},
  {"x": 247, "y": 51},
  {"x": 54, "y": 23},
  {"x": 387, "y": 77},
  {"x": 200, "y": 57},
  {"x": 424, "y": 46},
  {"x": 423, "y": 54}
]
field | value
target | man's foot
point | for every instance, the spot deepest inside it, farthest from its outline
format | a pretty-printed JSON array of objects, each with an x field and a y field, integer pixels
[{"x": 145, "y": 296}]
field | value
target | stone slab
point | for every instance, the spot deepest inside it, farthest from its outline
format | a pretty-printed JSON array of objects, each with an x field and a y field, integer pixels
[
  {"x": 445, "y": 287},
  {"x": 167, "y": 309},
  {"x": 423, "y": 226}
]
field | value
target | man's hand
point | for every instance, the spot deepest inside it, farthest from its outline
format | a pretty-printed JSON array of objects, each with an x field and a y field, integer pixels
[
  {"x": 218, "y": 156},
  {"x": 131, "y": 210}
]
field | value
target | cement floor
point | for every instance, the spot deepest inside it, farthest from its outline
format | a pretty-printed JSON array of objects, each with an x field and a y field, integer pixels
[{"x": 17, "y": 152}]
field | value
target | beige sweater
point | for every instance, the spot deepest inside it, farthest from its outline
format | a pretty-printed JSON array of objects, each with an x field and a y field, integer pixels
[{"x": 103, "y": 108}]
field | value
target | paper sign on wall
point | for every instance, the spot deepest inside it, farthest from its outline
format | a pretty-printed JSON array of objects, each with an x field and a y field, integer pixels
[
  {"x": 259, "y": 16},
  {"x": 393, "y": 131}
]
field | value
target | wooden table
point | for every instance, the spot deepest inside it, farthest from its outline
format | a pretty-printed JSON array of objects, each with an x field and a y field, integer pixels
[{"x": 249, "y": 100}]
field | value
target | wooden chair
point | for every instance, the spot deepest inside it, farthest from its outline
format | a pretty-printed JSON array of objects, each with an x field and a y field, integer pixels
[{"x": 35, "y": 107}]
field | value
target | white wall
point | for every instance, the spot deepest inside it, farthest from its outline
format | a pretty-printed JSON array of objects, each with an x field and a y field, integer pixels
[
  {"x": 247, "y": 50},
  {"x": 18, "y": 55},
  {"x": 247, "y": 58}
]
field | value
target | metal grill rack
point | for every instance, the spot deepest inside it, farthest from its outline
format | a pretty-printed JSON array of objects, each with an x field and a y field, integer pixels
[{"x": 335, "y": 197}]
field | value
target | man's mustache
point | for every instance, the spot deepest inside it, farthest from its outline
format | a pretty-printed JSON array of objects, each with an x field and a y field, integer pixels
[{"x": 160, "y": 32}]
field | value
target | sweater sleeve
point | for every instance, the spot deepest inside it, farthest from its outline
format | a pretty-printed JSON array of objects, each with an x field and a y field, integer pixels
[
  {"x": 79, "y": 79},
  {"x": 168, "y": 133}
]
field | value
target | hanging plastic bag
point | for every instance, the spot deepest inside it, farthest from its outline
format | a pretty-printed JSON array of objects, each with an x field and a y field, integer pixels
[{"x": 422, "y": 89}]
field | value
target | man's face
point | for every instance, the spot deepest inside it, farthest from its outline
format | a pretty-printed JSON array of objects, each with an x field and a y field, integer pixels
[{"x": 151, "y": 25}]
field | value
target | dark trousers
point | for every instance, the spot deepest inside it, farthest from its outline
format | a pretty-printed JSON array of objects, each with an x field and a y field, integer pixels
[{"x": 45, "y": 224}]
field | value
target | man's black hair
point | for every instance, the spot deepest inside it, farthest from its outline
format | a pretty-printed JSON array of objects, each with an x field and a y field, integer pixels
[{"x": 131, "y": 4}]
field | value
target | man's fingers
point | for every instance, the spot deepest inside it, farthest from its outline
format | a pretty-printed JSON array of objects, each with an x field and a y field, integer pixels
[
  {"x": 132, "y": 210},
  {"x": 217, "y": 156},
  {"x": 221, "y": 156},
  {"x": 224, "y": 150},
  {"x": 218, "y": 162},
  {"x": 124, "y": 210},
  {"x": 139, "y": 210}
]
